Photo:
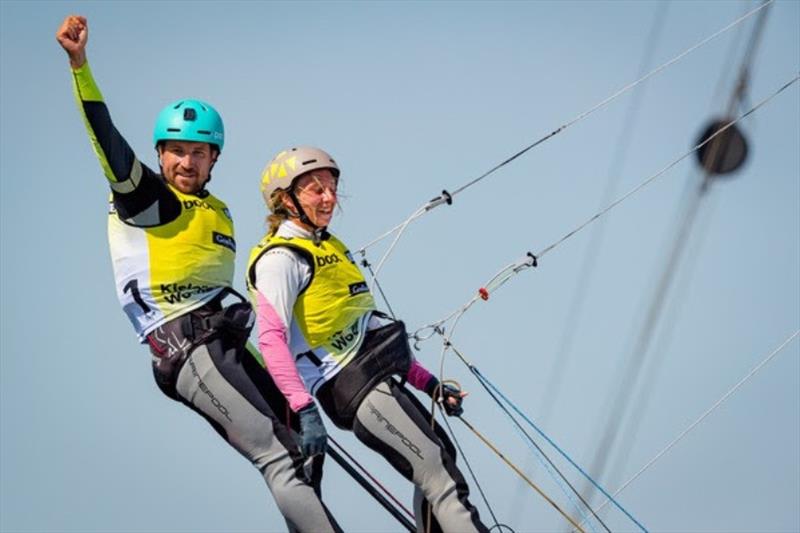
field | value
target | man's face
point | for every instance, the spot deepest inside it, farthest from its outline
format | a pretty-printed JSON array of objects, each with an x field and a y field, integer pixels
[{"x": 186, "y": 164}]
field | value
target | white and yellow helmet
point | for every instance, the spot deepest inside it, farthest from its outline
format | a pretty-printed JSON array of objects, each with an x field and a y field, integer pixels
[{"x": 289, "y": 164}]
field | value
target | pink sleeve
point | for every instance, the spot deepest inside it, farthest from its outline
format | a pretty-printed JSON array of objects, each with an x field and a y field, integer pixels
[
  {"x": 418, "y": 376},
  {"x": 275, "y": 350}
]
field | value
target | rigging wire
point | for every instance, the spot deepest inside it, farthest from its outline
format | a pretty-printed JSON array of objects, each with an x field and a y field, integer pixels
[
  {"x": 520, "y": 473},
  {"x": 609, "y": 497},
  {"x": 366, "y": 264},
  {"x": 651, "y": 372},
  {"x": 447, "y": 197},
  {"x": 494, "y": 391},
  {"x": 564, "y": 350},
  {"x": 514, "y": 268},
  {"x": 532, "y": 259},
  {"x": 736, "y": 40},
  {"x": 418, "y": 213},
  {"x": 702, "y": 417},
  {"x": 538, "y": 451},
  {"x": 636, "y": 189},
  {"x": 548, "y": 463},
  {"x": 469, "y": 468},
  {"x": 622, "y": 404},
  {"x": 619, "y": 92},
  {"x": 571, "y": 495},
  {"x": 637, "y": 358}
]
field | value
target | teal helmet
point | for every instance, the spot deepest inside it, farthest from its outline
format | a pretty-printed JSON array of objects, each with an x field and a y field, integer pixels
[{"x": 189, "y": 120}]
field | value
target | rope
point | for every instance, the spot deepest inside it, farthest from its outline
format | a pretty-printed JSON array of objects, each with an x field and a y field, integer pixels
[
  {"x": 486, "y": 382},
  {"x": 612, "y": 184},
  {"x": 546, "y": 461},
  {"x": 498, "y": 525},
  {"x": 702, "y": 417},
  {"x": 519, "y": 472},
  {"x": 609, "y": 429},
  {"x": 469, "y": 468},
  {"x": 448, "y": 197},
  {"x": 543, "y": 458},
  {"x": 564, "y": 454},
  {"x": 368, "y": 266},
  {"x": 668, "y": 167},
  {"x": 570, "y": 494},
  {"x": 623, "y": 402},
  {"x": 421, "y": 211},
  {"x": 649, "y": 371},
  {"x": 532, "y": 259}
]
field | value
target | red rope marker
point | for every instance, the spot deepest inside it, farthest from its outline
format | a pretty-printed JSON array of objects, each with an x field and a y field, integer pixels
[{"x": 484, "y": 293}]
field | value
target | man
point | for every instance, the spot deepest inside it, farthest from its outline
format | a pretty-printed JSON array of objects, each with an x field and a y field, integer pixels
[{"x": 173, "y": 248}]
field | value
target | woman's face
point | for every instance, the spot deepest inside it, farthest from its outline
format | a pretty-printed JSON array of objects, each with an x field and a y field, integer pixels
[{"x": 316, "y": 192}]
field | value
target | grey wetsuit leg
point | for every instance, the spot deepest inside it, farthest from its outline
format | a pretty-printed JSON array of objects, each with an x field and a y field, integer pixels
[
  {"x": 214, "y": 382},
  {"x": 389, "y": 423}
]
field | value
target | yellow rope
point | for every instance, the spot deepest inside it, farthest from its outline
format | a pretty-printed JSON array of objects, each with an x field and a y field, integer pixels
[{"x": 522, "y": 475}]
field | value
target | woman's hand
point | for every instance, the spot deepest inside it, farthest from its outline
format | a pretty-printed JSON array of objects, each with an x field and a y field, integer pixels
[
  {"x": 450, "y": 397},
  {"x": 313, "y": 436}
]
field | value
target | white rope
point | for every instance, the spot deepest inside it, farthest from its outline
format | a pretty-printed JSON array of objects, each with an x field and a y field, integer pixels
[
  {"x": 518, "y": 266},
  {"x": 440, "y": 200},
  {"x": 418, "y": 213},
  {"x": 668, "y": 167},
  {"x": 389, "y": 232},
  {"x": 702, "y": 417},
  {"x": 672, "y": 61}
]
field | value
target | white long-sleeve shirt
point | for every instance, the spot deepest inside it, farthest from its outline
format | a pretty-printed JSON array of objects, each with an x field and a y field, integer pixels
[{"x": 281, "y": 275}]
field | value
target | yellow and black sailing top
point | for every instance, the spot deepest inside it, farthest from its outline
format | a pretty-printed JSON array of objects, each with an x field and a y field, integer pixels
[
  {"x": 171, "y": 252},
  {"x": 313, "y": 306},
  {"x": 328, "y": 309}
]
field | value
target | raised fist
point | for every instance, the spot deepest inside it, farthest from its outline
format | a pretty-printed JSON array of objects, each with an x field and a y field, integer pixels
[{"x": 72, "y": 36}]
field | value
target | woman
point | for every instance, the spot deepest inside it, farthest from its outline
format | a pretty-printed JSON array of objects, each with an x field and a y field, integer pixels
[{"x": 320, "y": 334}]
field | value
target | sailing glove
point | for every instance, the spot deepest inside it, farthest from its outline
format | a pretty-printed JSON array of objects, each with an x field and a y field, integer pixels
[
  {"x": 313, "y": 436},
  {"x": 447, "y": 395}
]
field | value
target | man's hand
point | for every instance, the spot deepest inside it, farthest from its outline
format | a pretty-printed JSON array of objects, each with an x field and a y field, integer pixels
[{"x": 72, "y": 36}]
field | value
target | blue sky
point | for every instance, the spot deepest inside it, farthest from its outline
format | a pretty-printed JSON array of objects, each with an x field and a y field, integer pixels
[{"x": 412, "y": 98}]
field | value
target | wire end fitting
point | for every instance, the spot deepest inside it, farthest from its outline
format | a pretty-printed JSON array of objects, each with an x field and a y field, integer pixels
[
  {"x": 534, "y": 260},
  {"x": 444, "y": 198}
]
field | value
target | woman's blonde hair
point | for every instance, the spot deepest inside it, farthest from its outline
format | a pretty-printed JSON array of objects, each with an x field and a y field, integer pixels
[{"x": 278, "y": 211}]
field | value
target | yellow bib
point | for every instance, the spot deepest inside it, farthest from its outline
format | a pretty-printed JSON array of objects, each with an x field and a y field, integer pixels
[
  {"x": 165, "y": 271},
  {"x": 328, "y": 310}
]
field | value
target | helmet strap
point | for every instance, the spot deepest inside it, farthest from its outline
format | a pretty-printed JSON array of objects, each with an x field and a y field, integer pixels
[
  {"x": 301, "y": 214},
  {"x": 158, "y": 157},
  {"x": 210, "y": 168}
]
